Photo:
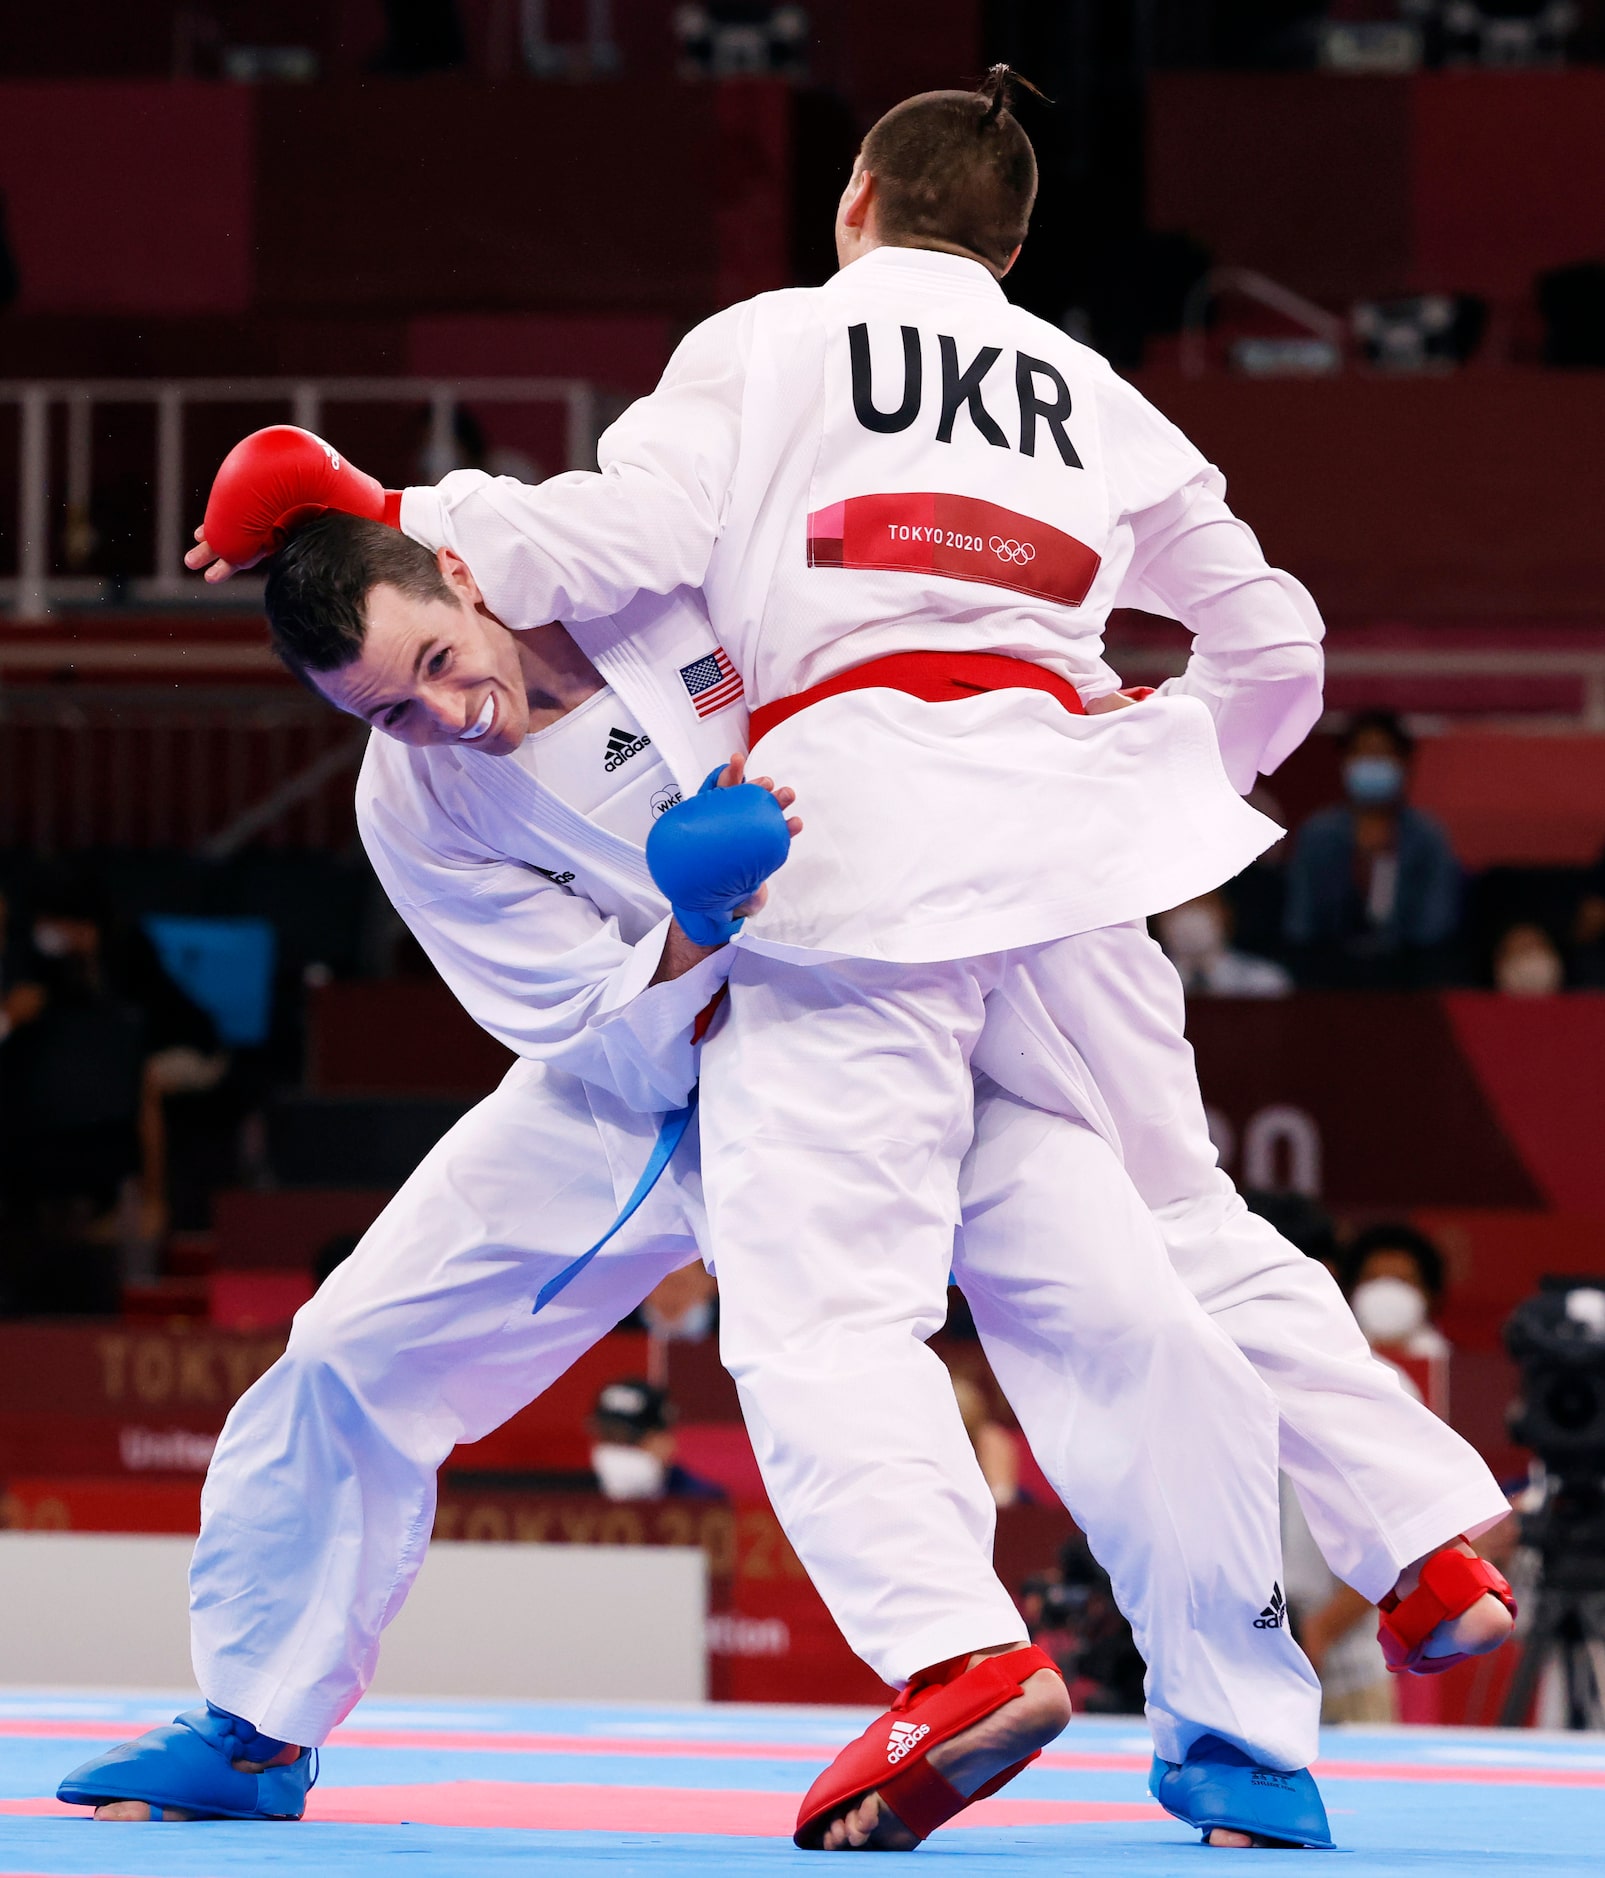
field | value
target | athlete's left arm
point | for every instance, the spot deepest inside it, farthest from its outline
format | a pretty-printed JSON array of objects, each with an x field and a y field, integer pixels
[
  {"x": 1256, "y": 655},
  {"x": 580, "y": 546}
]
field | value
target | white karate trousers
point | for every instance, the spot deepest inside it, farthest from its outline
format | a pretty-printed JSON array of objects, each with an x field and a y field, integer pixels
[
  {"x": 320, "y": 1498},
  {"x": 837, "y": 1118},
  {"x": 1381, "y": 1479},
  {"x": 840, "y": 1176}
]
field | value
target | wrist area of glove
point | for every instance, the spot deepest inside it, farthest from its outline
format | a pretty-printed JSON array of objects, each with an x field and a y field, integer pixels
[
  {"x": 708, "y": 927},
  {"x": 705, "y": 926}
]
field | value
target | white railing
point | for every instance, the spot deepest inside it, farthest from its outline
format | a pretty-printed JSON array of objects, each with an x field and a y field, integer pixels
[
  {"x": 36, "y": 587},
  {"x": 1314, "y": 320}
]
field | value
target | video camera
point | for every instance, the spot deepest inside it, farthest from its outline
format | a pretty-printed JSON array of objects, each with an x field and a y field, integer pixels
[{"x": 1558, "y": 1339}]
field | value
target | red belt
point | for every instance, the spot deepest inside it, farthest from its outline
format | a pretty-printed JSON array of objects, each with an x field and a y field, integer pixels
[{"x": 935, "y": 677}]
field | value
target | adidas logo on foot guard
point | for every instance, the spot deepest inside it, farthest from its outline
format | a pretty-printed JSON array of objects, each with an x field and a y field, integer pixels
[
  {"x": 905, "y": 1738},
  {"x": 1274, "y": 1614}
]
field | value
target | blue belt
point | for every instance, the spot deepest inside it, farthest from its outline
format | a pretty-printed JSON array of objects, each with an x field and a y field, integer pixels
[{"x": 671, "y": 1131}]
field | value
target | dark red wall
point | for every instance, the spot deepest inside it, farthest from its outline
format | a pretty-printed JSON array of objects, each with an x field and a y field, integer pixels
[
  {"x": 1469, "y": 497},
  {"x": 438, "y": 194}
]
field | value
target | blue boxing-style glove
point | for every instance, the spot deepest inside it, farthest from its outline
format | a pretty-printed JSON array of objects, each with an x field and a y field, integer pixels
[{"x": 711, "y": 854}]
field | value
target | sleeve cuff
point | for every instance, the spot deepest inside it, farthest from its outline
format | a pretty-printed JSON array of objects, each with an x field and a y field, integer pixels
[
  {"x": 648, "y": 1031},
  {"x": 423, "y": 517}
]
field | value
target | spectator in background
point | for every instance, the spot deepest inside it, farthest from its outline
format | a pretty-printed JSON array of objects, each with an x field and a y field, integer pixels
[
  {"x": 1527, "y": 963},
  {"x": 682, "y": 1308},
  {"x": 633, "y": 1446},
  {"x": 1588, "y": 932},
  {"x": 1393, "y": 1276},
  {"x": 1373, "y": 888},
  {"x": 993, "y": 1443},
  {"x": 1197, "y": 937},
  {"x": 1300, "y": 1220},
  {"x": 468, "y": 448},
  {"x": 1071, "y": 1613},
  {"x": 80, "y": 1133},
  {"x": 1335, "y": 1626},
  {"x": 22, "y": 997},
  {"x": 332, "y": 1254}
]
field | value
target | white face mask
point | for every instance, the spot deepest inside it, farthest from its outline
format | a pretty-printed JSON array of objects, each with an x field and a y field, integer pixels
[
  {"x": 1532, "y": 974},
  {"x": 1388, "y": 1309},
  {"x": 1192, "y": 932},
  {"x": 51, "y": 941},
  {"x": 627, "y": 1473}
]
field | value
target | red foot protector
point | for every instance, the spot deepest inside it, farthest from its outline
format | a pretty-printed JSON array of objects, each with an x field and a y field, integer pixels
[
  {"x": 1450, "y": 1584},
  {"x": 890, "y": 1756}
]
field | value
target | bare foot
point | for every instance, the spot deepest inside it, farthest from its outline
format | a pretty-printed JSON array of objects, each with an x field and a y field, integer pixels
[
  {"x": 140, "y": 1809},
  {"x": 968, "y": 1761},
  {"x": 1475, "y": 1631}
]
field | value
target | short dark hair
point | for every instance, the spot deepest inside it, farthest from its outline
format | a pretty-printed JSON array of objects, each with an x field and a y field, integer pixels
[
  {"x": 319, "y": 582},
  {"x": 955, "y": 167},
  {"x": 1395, "y": 1236},
  {"x": 1390, "y": 726},
  {"x": 1302, "y": 1221}
]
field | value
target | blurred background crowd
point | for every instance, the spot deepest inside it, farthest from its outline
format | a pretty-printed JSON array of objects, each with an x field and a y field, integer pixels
[{"x": 1356, "y": 249}]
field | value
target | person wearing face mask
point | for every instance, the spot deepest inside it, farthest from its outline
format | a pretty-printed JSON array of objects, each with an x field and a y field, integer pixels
[
  {"x": 1197, "y": 937},
  {"x": 1394, "y": 1279},
  {"x": 632, "y": 1454},
  {"x": 1373, "y": 888},
  {"x": 1526, "y": 963}
]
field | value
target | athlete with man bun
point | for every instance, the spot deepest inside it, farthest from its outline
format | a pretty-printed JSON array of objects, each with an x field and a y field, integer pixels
[
  {"x": 910, "y": 507},
  {"x": 746, "y": 473},
  {"x": 505, "y": 806}
]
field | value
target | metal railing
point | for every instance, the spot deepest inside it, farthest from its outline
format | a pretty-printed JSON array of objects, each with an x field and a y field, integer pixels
[
  {"x": 206, "y": 769},
  {"x": 1314, "y": 320},
  {"x": 36, "y": 587},
  {"x": 1151, "y": 664}
]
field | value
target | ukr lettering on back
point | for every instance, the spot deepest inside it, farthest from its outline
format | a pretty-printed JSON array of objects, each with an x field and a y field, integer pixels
[{"x": 1040, "y": 392}]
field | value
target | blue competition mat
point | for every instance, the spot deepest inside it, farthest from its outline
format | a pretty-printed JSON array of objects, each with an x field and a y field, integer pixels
[{"x": 467, "y": 1790}]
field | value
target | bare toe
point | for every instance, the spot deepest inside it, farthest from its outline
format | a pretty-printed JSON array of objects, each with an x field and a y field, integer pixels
[
  {"x": 1229, "y": 1836},
  {"x": 126, "y": 1810},
  {"x": 869, "y": 1825},
  {"x": 1474, "y": 1632}
]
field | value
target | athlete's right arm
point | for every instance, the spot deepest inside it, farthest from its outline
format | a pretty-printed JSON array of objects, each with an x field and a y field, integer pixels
[
  {"x": 541, "y": 969},
  {"x": 580, "y": 546}
]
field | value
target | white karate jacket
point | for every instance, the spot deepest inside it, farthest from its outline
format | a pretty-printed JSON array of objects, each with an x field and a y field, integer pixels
[
  {"x": 547, "y": 928},
  {"x": 901, "y": 460}
]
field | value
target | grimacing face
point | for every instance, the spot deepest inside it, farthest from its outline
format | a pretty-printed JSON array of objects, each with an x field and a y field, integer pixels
[{"x": 435, "y": 671}]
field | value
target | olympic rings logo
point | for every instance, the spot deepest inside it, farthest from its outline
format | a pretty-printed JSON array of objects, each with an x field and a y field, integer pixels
[{"x": 1019, "y": 552}]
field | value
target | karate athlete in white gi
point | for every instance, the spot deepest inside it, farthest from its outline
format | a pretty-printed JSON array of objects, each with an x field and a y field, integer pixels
[
  {"x": 910, "y": 507},
  {"x": 505, "y": 810}
]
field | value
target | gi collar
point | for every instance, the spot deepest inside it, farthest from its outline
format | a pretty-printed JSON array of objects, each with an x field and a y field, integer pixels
[{"x": 954, "y": 273}]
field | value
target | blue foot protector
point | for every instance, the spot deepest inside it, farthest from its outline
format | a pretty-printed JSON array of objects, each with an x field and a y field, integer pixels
[
  {"x": 189, "y": 1766},
  {"x": 1218, "y": 1785}
]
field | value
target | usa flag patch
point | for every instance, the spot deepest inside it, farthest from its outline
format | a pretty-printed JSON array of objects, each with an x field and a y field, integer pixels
[{"x": 712, "y": 682}]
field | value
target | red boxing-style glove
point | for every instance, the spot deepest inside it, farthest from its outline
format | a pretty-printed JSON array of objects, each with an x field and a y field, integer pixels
[{"x": 277, "y": 478}]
